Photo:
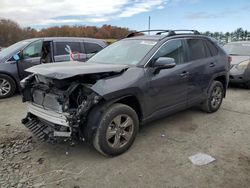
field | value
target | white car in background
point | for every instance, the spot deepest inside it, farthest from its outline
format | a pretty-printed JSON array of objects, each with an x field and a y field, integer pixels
[{"x": 240, "y": 64}]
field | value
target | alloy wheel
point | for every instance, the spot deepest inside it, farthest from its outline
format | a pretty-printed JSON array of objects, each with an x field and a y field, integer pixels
[
  {"x": 216, "y": 97},
  {"x": 120, "y": 131},
  {"x": 5, "y": 87}
]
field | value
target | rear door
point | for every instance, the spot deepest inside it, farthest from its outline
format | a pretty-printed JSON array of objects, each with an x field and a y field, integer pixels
[
  {"x": 30, "y": 56},
  {"x": 201, "y": 68},
  {"x": 63, "y": 49}
]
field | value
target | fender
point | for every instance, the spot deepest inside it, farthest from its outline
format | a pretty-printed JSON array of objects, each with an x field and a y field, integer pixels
[{"x": 95, "y": 114}]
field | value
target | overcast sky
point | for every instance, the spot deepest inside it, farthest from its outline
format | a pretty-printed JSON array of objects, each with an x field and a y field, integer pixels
[{"x": 203, "y": 15}]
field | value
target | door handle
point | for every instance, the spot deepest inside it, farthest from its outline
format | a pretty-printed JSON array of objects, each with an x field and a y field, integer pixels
[
  {"x": 212, "y": 64},
  {"x": 184, "y": 74}
]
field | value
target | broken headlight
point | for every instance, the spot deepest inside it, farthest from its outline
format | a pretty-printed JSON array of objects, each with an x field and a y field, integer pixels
[{"x": 243, "y": 65}]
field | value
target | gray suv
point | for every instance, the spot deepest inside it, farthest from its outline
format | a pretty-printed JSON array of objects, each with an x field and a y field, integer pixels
[
  {"x": 41, "y": 50},
  {"x": 127, "y": 84}
]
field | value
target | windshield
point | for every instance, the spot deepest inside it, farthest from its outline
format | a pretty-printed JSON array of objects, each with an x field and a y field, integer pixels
[
  {"x": 13, "y": 48},
  {"x": 240, "y": 49},
  {"x": 129, "y": 52}
]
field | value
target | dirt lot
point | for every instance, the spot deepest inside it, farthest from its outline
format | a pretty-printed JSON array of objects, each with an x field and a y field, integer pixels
[{"x": 158, "y": 158}]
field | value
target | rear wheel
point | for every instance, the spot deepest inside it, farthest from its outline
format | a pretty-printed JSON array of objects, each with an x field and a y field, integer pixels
[
  {"x": 117, "y": 130},
  {"x": 214, "y": 97},
  {"x": 247, "y": 85},
  {"x": 7, "y": 86}
]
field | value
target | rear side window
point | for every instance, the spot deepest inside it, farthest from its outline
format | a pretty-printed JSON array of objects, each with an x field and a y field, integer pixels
[
  {"x": 61, "y": 47},
  {"x": 196, "y": 49},
  {"x": 92, "y": 48},
  {"x": 213, "y": 50}
]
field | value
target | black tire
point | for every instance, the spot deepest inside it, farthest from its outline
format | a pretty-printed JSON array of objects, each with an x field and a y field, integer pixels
[
  {"x": 106, "y": 124},
  {"x": 247, "y": 85},
  {"x": 11, "y": 85},
  {"x": 213, "y": 103}
]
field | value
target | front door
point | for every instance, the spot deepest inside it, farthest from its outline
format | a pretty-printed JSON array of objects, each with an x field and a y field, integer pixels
[
  {"x": 30, "y": 56},
  {"x": 168, "y": 88}
]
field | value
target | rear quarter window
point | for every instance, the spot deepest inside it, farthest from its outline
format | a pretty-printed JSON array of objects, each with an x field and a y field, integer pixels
[
  {"x": 196, "y": 49},
  {"x": 212, "y": 48}
]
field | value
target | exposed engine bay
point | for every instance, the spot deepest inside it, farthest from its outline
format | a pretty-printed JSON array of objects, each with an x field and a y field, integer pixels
[{"x": 59, "y": 108}]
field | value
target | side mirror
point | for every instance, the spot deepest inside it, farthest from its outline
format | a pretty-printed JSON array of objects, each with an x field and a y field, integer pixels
[
  {"x": 16, "y": 57},
  {"x": 164, "y": 63}
]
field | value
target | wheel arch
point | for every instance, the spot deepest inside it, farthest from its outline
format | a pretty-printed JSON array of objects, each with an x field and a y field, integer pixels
[
  {"x": 221, "y": 78},
  {"x": 96, "y": 112},
  {"x": 133, "y": 102}
]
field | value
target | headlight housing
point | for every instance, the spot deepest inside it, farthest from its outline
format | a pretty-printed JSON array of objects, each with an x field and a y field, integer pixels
[{"x": 243, "y": 65}]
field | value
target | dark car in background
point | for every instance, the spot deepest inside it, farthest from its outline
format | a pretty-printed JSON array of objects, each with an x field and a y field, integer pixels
[
  {"x": 35, "y": 51},
  {"x": 240, "y": 64},
  {"x": 130, "y": 82}
]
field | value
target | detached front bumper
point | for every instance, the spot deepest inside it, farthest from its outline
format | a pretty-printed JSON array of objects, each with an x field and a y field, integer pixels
[{"x": 46, "y": 124}]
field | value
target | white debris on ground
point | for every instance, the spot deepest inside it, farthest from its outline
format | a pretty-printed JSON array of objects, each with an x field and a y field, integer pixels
[{"x": 200, "y": 159}]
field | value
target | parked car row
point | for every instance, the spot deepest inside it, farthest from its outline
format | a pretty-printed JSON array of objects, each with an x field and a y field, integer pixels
[{"x": 35, "y": 51}]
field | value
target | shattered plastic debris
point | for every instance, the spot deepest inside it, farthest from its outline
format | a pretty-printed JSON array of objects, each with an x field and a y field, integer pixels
[
  {"x": 201, "y": 159},
  {"x": 40, "y": 160},
  {"x": 163, "y": 135}
]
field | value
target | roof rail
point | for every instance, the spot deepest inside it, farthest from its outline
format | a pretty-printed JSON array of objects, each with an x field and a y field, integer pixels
[
  {"x": 161, "y": 31},
  {"x": 132, "y": 34}
]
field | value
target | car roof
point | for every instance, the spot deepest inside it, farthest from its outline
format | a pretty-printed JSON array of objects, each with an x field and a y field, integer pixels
[
  {"x": 160, "y": 37},
  {"x": 146, "y": 37},
  {"x": 161, "y": 34},
  {"x": 63, "y": 38}
]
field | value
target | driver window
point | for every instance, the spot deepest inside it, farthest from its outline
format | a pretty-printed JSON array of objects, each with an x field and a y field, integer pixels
[
  {"x": 33, "y": 50},
  {"x": 172, "y": 49}
]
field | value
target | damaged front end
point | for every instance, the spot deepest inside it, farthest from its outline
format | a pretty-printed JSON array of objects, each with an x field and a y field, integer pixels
[{"x": 58, "y": 108}]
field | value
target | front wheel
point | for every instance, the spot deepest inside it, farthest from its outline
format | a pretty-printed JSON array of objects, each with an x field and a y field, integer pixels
[
  {"x": 117, "y": 130},
  {"x": 214, "y": 97}
]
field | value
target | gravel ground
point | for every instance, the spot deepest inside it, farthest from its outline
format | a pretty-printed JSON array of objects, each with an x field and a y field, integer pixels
[{"x": 158, "y": 158}]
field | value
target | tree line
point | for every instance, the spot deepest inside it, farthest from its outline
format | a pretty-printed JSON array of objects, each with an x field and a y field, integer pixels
[
  {"x": 237, "y": 35},
  {"x": 11, "y": 32}
]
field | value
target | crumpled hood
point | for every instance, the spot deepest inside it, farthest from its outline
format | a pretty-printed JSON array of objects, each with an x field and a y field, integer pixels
[
  {"x": 73, "y": 68},
  {"x": 2, "y": 59},
  {"x": 238, "y": 59}
]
